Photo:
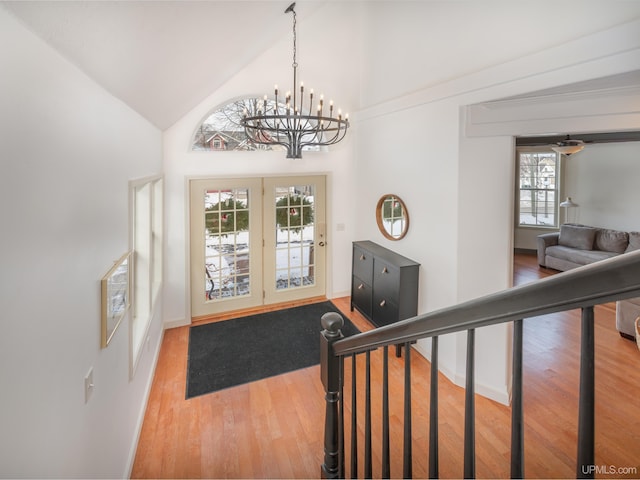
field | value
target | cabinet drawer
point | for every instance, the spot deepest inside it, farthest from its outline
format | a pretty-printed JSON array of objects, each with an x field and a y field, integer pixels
[
  {"x": 385, "y": 311},
  {"x": 362, "y": 264},
  {"x": 386, "y": 280},
  {"x": 361, "y": 296}
]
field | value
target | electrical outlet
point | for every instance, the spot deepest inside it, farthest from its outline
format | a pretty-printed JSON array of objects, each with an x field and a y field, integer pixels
[{"x": 88, "y": 385}]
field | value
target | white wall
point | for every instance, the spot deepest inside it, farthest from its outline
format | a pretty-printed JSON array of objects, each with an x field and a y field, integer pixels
[
  {"x": 68, "y": 150},
  {"x": 603, "y": 181},
  {"x": 274, "y": 67}
]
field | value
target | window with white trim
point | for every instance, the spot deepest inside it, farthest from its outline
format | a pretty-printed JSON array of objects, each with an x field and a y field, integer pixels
[
  {"x": 538, "y": 188},
  {"x": 147, "y": 214}
]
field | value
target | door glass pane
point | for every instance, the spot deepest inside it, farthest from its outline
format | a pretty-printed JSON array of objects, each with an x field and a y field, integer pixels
[
  {"x": 295, "y": 234},
  {"x": 226, "y": 243}
]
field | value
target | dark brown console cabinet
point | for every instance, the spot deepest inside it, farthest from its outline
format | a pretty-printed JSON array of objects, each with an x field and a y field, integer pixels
[{"x": 384, "y": 285}]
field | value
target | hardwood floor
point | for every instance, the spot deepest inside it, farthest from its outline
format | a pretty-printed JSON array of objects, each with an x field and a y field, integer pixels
[{"x": 273, "y": 428}]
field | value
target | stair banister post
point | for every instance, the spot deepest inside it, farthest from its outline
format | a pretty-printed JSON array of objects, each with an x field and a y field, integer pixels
[
  {"x": 332, "y": 324},
  {"x": 586, "y": 402}
]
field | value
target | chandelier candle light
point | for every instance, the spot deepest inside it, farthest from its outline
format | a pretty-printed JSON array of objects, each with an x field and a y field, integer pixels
[{"x": 288, "y": 125}]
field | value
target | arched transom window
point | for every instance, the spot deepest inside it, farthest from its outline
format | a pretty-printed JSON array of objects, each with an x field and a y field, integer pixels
[{"x": 221, "y": 131}]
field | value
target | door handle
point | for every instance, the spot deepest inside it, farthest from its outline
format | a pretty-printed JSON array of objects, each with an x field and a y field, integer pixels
[{"x": 321, "y": 231}]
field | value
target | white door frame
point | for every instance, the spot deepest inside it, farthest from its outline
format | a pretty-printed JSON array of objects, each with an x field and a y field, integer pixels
[{"x": 189, "y": 181}]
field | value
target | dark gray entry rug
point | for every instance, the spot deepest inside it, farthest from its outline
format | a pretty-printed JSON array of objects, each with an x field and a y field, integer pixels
[{"x": 233, "y": 352}]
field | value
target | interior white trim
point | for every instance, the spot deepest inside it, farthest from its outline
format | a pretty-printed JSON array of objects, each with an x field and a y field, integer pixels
[{"x": 618, "y": 46}]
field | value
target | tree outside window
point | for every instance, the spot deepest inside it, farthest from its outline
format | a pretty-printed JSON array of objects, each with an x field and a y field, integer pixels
[
  {"x": 538, "y": 188},
  {"x": 222, "y": 131}
]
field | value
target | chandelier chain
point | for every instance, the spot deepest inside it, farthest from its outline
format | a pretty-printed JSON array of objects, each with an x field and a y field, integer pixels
[{"x": 295, "y": 63}]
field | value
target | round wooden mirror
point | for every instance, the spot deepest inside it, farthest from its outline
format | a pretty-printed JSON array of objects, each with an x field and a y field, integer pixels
[{"x": 392, "y": 217}]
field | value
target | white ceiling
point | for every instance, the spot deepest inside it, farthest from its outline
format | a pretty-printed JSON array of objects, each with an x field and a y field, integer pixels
[
  {"x": 160, "y": 57},
  {"x": 163, "y": 58}
]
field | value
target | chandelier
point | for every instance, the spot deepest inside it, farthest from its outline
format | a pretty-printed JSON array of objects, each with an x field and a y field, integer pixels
[{"x": 291, "y": 124}]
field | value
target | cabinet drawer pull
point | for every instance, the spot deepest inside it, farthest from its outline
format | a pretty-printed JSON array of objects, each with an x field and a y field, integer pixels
[
  {"x": 383, "y": 303},
  {"x": 361, "y": 257},
  {"x": 384, "y": 270},
  {"x": 361, "y": 286}
]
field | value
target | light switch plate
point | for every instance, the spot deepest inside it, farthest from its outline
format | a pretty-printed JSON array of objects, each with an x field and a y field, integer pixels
[{"x": 88, "y": 385}]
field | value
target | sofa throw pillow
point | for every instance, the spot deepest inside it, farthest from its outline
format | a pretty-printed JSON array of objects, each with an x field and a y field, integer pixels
[
  {"x": 612, "y": 240},
  {"x": 576, "y": 236},
  {"x": 634, "y": 241}
]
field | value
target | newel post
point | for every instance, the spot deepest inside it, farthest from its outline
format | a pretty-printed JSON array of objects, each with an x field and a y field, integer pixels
[{"x": 332, "y": 324}]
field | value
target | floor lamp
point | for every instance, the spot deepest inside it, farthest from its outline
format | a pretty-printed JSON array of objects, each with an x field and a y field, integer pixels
[{"x": 567, "y": 204}]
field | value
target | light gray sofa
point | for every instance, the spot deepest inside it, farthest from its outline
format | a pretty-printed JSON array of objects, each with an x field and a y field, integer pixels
[
  {"x": 626, "y": 313},
  {"x": 577, "y": 245}
]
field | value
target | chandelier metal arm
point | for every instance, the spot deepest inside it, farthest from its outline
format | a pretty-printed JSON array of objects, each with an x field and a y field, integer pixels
[{"x": 295, "y": 131}]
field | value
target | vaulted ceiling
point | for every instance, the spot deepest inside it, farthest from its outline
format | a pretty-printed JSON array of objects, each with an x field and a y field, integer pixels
[
  {"x": 159, "y": 57},
  {"x": 163, "y": 58}
]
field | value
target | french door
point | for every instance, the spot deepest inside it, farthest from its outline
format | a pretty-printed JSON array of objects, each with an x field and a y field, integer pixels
[{"x": 256, "y": 241}]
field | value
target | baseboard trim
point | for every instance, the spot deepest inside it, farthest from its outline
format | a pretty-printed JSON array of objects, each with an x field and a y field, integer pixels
[
  {"x": 183, "y": 322},
  {"x": 500, "y": 395},
  {"x": 143, "y": 410},
  {"x": 341, "y": 294}
]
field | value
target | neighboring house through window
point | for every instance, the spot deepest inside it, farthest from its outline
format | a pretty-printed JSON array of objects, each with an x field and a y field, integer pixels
[
  {"x": 221, "y": 130},
  {"x": 218, "y": 144}
]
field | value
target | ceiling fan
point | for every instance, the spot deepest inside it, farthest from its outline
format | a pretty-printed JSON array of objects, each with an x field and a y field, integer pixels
[{"x": 568, "y": 146}]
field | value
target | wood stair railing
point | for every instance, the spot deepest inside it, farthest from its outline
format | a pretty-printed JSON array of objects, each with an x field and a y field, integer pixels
[{"x": 583, "y": 288}]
